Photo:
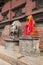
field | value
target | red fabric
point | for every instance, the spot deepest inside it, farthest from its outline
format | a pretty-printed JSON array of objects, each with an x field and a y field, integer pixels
[{"x": 28, "y": 28}]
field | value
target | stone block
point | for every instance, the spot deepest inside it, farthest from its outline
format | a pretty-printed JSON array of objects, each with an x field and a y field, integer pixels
[
  {"x": 11, "y": 44},
  {"x": 25, "y": 45},
  {"x": 36, "y": 44},
  {"x": 29, "y": 46}
]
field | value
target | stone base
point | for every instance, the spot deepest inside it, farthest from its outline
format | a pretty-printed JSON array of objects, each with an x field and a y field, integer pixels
[
  {"x": 29, "y": 46},
  {"x": 10, "y": 44}
]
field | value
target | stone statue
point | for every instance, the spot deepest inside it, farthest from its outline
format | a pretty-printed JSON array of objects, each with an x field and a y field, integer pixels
[{"x": 15, "y": 28}]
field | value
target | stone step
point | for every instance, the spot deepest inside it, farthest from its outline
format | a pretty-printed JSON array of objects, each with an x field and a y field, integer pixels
[
  {"x": 15, "y": 58},
  {"x": 31, "y": 60},
  {"x": 10, "y": 56}
]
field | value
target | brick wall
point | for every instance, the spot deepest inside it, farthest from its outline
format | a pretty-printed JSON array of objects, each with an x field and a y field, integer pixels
[
  {"x": 27, "y": 10},
  {"x": 40, "y": 31},
  {"x": 13, "y": 4}
]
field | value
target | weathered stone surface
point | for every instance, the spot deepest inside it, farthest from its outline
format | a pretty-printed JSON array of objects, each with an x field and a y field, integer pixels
[
  {"x": 36, "y": 48},
  {"x": 31, "y": 60},
  {"x": 25, "y": 46},
  {"x": 15, "y": 58},
  {"x": 12, "y": 44},
  {"x": 16, "y": 48},
  {"x": 29, "y": 46},
  {"x": 9, "y": 44},
  {"x": 2, "y": 62},
  {"x": 10, "y": 56}
]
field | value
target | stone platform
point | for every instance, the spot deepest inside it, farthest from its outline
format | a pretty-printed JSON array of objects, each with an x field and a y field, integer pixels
[{"x": 15, "y": 58}]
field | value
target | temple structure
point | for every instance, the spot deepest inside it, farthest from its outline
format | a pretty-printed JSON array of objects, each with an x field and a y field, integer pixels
[{"x": 11, "y": 10}]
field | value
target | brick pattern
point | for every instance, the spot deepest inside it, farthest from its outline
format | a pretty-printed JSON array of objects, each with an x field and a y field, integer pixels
[
  {"x": 40, "y": 31},
  {"x": 27, "y": 10},
  {"x": 17, "y": 3},
  {"x": 29, "y": 6},
  {"x": 6, "y": 7},
  {"x": 13, "y": 4}
]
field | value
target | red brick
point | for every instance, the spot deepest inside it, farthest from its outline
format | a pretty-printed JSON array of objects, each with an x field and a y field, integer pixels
[
  {"x": 17, "y": 3},
  {"x": 6, "y": 7},
  {"x": 41, "y": 44},
  {"x": 10, "y": 15},
  {"x": 29, "y": 6},
  {"x": 23, "y": 10},
  {"x": 41, "y": 47}
]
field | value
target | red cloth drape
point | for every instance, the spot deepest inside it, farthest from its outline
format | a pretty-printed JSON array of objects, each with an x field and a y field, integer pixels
[{"x": 28, "y": 27}]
